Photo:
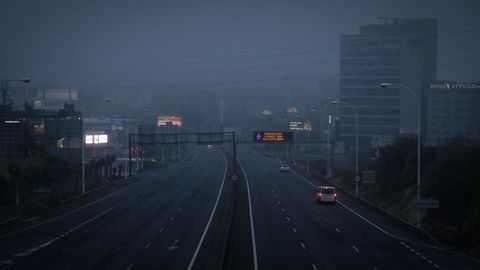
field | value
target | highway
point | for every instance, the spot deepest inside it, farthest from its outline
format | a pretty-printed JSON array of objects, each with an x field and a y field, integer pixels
[
  {"x": 158, "y": 222},
  {"x": 155, "y": 223},
  {"x": 293, "y": 232}
]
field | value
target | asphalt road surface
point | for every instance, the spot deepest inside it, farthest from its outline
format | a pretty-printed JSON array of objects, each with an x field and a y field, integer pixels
[
  {"x": 155, "y": 223},
  {"x": 293, "y": 232}
]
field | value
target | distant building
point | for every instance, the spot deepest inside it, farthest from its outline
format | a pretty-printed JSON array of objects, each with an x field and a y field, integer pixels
[
  {"x": 396, "y": 51},
  {"x": 59, "y": 132},
  {"x": 195, "y": 107},
  {"x": 452, "y": 113}
]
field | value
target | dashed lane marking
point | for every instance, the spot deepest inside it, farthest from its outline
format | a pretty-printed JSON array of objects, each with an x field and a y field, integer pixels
[{"x": 356, "y": 249}]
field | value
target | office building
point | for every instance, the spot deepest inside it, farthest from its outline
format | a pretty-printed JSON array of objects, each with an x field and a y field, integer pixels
[
  {"x": 395, "y": 51},
  {"x": 452, "y": 113}
]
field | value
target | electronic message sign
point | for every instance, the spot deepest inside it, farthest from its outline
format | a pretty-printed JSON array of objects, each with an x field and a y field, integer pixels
[{"x": 272, "y": 136}]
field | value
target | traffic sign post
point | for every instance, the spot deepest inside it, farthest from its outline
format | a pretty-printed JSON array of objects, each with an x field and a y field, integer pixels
[
  {"x": 427, "y": 203},
  {"x": 356, "y": 179}
]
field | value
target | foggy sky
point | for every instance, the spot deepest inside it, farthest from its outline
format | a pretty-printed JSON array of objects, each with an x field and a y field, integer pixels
[{"x": 142, "y": 44}]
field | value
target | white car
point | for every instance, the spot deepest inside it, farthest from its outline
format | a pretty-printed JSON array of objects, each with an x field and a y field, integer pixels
[
  {"x": 284, "y": 168},
  {"x": 326, "y": 194}
]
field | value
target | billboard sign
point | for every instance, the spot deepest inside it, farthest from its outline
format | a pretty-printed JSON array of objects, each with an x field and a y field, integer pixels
[
  {"x": 174, "y": 120},
  {"x": 272, "y": 136},
  {"x": 96, "y": 139}
]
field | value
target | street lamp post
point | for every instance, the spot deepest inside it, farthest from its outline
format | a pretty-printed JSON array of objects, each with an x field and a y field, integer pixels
[
  {"x": 356, "y": 141},
  {"x": 329, "y": 117},
  {"x": 385, "y": 85},
  {"x": 83, "y": 147}
]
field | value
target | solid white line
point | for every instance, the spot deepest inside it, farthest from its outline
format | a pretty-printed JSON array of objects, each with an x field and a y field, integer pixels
[
  {"x": 192, "y": 261},
  {"x": 254, "y": 245},
  {"x": 314, "y": 267},
  {"x": 37, "y": 248},
  {"x": 390, "y": 234}
]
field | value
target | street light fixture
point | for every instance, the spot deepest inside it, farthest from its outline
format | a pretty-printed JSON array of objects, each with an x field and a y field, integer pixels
[
  {"x": 83, "y": 145},
  {"x": 335, "y": 102},
  {"x": 385, "y": 85}
]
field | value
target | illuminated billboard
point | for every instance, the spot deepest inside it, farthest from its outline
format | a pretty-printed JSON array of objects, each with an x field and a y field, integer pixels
[
  {"x": 273, "y": 136},
  {"x": 96, "y": 139},
  {"x": 163, "y": 120},
  {"x": 301, "y": 126}
]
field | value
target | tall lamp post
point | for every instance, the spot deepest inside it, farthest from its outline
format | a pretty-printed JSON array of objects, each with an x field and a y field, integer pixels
[
  {"x": 83, "y": 145},
  {"x": 356, "y": 140},
  {"x": 385, "y": 85},
  {"x": 329, "y": 117}
]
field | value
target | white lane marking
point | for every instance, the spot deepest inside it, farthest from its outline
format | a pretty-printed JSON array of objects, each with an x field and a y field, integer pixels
[
  {"x": 66, "y": 214},
  {"x": 303, "y": 246},
  {"x": 171, "y": 219},
  {"x": 429, "y": 261},
  {"x": 436, "y": 266},
  {"x": 337, "y": 229},
  {"x": 6, "y": 262},
  {"x": 283, "y": 209},
  {"x": 390, "y": 234},
  {"x": 130, "y": 266},
  {"x": 351, "y": 210},
  {"x": 314, "y": 267},
  {"x": 35, "y": 249},
  {"x": 356, "y": 249},
  {"x": 294, "y": 230},
  {"x": 148, "y": 245},
  {"x": 288, "y": 218},
  {"x": 161, "y": 230},
  {"x": 97, "y": 245},
  {"x": 192, "y": 261},
  {"x": 173, "y": 246},
  {"x": 254, "y": 245}
]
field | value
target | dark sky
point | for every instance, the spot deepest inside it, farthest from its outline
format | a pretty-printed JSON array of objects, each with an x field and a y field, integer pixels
[{"x": 135, "y": 44}]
